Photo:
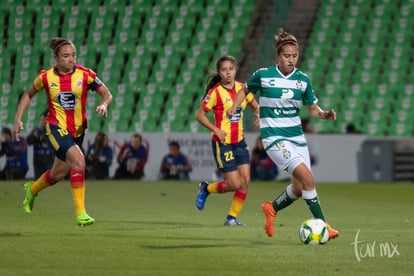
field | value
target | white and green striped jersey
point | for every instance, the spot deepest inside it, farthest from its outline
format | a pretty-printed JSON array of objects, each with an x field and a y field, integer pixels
[{"x": 281, "y": 98}]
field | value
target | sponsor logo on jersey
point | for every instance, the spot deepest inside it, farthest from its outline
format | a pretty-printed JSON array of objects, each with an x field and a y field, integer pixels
[
  {"x": 67, "y": 100},
  {"x": 287, "y": 94}
]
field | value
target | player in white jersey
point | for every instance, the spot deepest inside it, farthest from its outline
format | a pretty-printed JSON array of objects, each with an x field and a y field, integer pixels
[{"x": 283, "y": 90}]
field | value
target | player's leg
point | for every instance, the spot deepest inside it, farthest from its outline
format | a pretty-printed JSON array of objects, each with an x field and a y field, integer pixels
[
  {"x": 285, "y": 157},
  {"x": 77, "y": 180},
  {"x": 224, "y": 157},
  {"x": 304, "y": 179},
  {"x": 242, "y": 159},
  {"x": 240, "y": 195}
]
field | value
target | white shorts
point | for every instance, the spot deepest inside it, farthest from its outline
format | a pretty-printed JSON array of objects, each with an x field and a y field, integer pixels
[{"x": 287, "y": 155}]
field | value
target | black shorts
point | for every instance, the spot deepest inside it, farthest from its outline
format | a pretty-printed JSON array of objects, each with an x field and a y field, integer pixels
[
  {"x": 229, "y": 157},
  {"x": 61, "y": 140}
]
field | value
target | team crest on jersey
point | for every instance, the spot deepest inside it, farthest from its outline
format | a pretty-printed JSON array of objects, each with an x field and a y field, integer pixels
[
  {"x": 207, "y": 99},
  {"x": 299, "y": 85},
  {"x": 79, "y": 83},
  {"x": 286, "y": 153}
]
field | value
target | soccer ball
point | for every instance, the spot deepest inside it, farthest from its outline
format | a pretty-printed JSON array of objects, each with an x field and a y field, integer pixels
[{"x": 314, "y": 231}]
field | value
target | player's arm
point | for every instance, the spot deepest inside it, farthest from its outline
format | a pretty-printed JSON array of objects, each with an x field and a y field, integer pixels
[
  {"x": 201, "y": 117},
  {"x": 23, "y": 104},
  {"x": 255, "y": 106},
  {"x": 106, "y": 95},
  {"x": 238, "y": 99},
  {"x": 315, "y": 111}
]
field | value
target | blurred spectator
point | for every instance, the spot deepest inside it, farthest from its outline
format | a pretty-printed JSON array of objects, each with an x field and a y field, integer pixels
[
  {"x": 351, "y": 129},
  {"x": 175, "y": 165},
  {"x": 307, "y": 126},
  {"x": 313, "y": 149},
  {"x": 262, "y": 167},
  {"x": 43, "y": 153},
  {"x": 132, "y": 159},
  {"x": 16, "y": 156},
  {"x": 99, "y": 157}
]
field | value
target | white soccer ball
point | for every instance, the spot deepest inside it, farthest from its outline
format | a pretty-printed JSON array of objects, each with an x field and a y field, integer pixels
[{"x": 314, "y": 231}]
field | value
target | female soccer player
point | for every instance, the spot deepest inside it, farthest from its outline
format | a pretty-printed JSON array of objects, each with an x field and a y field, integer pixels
[
  {"x": 66, "y": 86},
  {"x": 229, "y": 147},
  {"x": 283, "y": 90}
]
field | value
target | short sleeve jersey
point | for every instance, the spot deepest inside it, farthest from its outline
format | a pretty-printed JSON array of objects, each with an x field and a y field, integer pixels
[
  {"x": 220, "y": 99},
  {"x": 67, "y": 97},
  {"x": 281, "y": 98}
]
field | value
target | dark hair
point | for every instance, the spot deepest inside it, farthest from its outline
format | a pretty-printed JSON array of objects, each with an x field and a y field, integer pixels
[
  {"x": 174, "y": 144},
  {"x": 45, "y": 112},
  {"x": 57, "y": 42},
  {"x": 283, "y": 38},
  {"x": 137, "y": 135},
  {"x": 215, "y": 78},
  {"x": 6, "y": 131}
]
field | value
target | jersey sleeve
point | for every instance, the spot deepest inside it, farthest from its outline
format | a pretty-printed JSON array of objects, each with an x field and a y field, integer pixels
[
  {"x": 309, "y": 97},
  {"x": 93, "y": 81},
  {"x": 209, "y": 101},
  {"x": 249, "y": 97},
  {"x": 254, "y": 84},
  {"x": 38, "y": 81}
]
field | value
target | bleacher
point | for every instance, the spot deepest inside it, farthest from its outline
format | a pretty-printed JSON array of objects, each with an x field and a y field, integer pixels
[
  {"x": 360, "y": 57},
  {"x": 153, "y": 55}
]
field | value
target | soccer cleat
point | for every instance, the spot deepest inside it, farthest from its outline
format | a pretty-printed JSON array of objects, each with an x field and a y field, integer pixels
[
  {"x": 332, "y": 232},
  {"x": 84, "y": 219},
  {"x": 270, "y": 216},
  {"x": 233, "y": 222},
  {"x": 29, "y": 199},
  {"x": 202, "y": 195}
]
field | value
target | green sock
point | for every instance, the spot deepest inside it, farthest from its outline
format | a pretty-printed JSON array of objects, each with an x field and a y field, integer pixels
[
  {"x": 284, "y": 199},
  {"x": 315, "y": 208}
]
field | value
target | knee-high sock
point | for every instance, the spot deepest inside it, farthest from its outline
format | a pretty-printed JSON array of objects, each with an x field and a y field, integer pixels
[
  {"x": 77, "y": 182},
  {"x": 45, "y": 180},
  {"x": 217, "y": 187},
  {"x": 286, "y": 198},
  {"x": 237, "y": 203},
  {"x": 312, "y": 200}
]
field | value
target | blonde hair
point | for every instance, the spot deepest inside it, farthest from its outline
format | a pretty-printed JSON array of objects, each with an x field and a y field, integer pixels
[{"x": 283, "y": 38}]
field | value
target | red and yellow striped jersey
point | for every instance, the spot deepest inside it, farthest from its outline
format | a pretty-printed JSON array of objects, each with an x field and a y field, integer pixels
[
  {"x": 220, "y": 99},
  {"x": 67, "y": 96}
]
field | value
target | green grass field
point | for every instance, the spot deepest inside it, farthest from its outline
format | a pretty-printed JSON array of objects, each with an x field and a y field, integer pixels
[{"x": 154, "y": 228}]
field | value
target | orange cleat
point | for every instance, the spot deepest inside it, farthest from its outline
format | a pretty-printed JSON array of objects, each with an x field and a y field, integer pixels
[
  {"x": 270, "y": 216},
  {"x": 332, "y": 232}
]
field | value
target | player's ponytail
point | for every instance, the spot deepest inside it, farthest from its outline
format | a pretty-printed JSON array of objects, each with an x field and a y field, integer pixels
[{"x": 215, "y": 76}]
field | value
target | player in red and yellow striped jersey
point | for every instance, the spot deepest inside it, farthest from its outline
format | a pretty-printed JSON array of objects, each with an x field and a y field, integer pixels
[
  {"x": 229, "y": 147},
  {"x": 66, "y": 86}
]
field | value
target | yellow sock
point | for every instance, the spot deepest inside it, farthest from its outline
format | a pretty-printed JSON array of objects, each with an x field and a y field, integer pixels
[
  {"x": 237, "y": 202},
  {"x": 78, "y": 195},
  {"x": 77, "y": 182},
  {"x": 42, "y": 182}
]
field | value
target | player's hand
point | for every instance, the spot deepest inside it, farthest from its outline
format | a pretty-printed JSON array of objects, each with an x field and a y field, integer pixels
[
  {"x": 221, "y": 135},
  {"x": 231, "y": 111},
  {"x": 330, "y": 115},
  {"x": 102, "y": 109},
  {"x": 16, "y": 130}
]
